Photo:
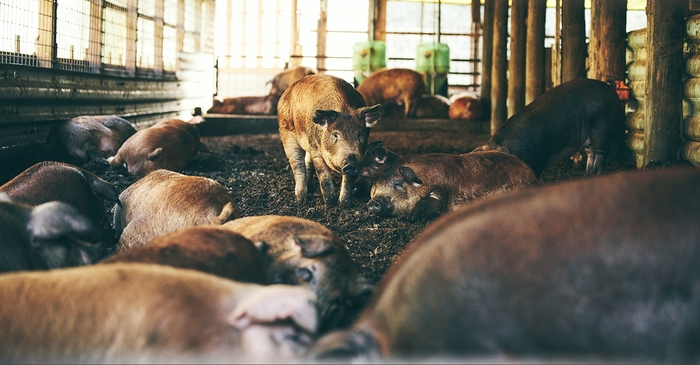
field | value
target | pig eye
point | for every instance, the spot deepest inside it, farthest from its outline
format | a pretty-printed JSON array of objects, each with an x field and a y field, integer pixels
[
  {"x": 304, "y": 274},
  {"x": 397, "y": 184},
  {"x": 361, "y": 138},
  {"x": 335, "y": 137}
]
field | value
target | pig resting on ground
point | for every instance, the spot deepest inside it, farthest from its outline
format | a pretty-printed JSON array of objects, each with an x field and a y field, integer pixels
[
  {"x": 598, "y": 269},
  {"x": 255, "y": 105},
  {"x": 92, "y": 137},
  {"x": 165, "y": 201},
  {"x": 376, "y": 157},
  {"x": 144, "y": 313}
]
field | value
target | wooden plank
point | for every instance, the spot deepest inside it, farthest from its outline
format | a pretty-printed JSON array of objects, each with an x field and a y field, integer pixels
[
  {"x": 499, "y": 87},
  {"x": 535, "y": 54},
  {"x": 610, "y": 42},
  {"x": 487, "y": 54},
  {"x": 516, "y": 64},
  {"x": 573, "y": 40}
]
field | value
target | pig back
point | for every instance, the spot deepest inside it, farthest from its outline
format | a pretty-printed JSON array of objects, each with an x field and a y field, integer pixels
[
  {"x": 392, "y": 84},
  {"x": 571, "y": 269}
]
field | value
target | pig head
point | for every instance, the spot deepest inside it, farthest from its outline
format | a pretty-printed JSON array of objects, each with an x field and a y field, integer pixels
[
  {"x": 165, "y": 201},
  {"x": 207, "y": 248},
  {"x": 92, "y": 137},
  {"x": 376, "y": 157},
  {"x": 140, "y": 313},
  {"x": 431, "y": 184},
  {"x": 323, "y": 121},
  {"x": 303, "y": 252},
  {"x": 603, "y": 269},
  {"x": 48, "y": 236},
  {"x": 170, "y": 144}
]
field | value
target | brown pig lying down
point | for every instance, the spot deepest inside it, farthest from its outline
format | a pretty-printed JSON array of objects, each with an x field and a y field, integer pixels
[
  {"x": 431, "y": 184},
  {"x": 600, "y": 269},
  {"x": 149, "y": 313},
  {"x": 165, "y": 201},
  {"x": 169, "y": 144},
  {"x": 303, "y": 252},
  {"x": 211, "y": 249}
]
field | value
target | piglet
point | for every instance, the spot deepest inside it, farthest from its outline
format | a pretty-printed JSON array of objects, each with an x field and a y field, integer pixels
[
  {"x": 303, "y": 252},
  {"x": 165, "y": 201},
  {"x": 207, "y": 248},
  {"x": 170, "y": 144},
  {"x": 141, "y": 313}
]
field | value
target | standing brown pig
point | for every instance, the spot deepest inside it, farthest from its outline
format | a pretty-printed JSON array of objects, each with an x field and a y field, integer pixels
[
  {"x": 401, "y": 85},
  {"x": 207, "y": 248},
  {"x": 303, "y": 252},
  {"x": 140, "y": 313},
  {"x": 603, "y": 269},
  {"x": 283, "y": 80},
  {"x": 466, "y": 106},
  {"x": 92, "y": 137},
  {"x": 169, "y": 144},
  {"x": 165, "y": 201},
  {"x": 323, "y": 120},
  {"x": 430, "y": 184}
]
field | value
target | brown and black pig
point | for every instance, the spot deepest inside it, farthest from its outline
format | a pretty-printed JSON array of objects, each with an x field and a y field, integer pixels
[
  {"x": 47, "y": 236},
  {"x": 593, "y": 270},
  {"x": 401, "y": 85},
  {"x": 582, "y": 113},
  {"x": 303, "y": 252},
  {"x": 430, "y": 107},
  {"x": 376, "y": 157},
  {"x": 255, "y": 105},
  {"x": 165, "y": 201},
  {"x": 141, "y": 313},
  {"x": 207, "y": 248},
  {"x": 430, "y": 184},
  {"x": 92, "y": 137},
  {"x": 323, "y": 120},
  {"x": 465, "y": 106},
  {"x": 283, "y": 80},
  {"x": 170, "y": 144}
]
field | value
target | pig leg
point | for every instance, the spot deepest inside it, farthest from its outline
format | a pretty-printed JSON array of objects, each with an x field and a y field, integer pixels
[
  {"x": 325, "y": 179},
  {"x": 296, "y": 156},
  {"x": 309, "y": 170},
  {"x": 345, "y": 199}
]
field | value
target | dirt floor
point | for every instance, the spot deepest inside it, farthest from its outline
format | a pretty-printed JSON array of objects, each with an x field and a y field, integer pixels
[{"x": 256, "y": 173}]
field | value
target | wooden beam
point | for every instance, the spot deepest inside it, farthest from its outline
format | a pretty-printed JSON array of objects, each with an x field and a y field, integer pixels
[
  {"x": 573, "y": 41},
  {"x": 379, "y": 20},
  {"x": 664, "y": 84},
  {"x": 535, "y": 56},
  {"x": 476, "y": 31},
  {"x": 499, "y": 87},
  {"x": 487, "y": 54},
  {"x": 321, "y": 36},
  {"x": 516, "y": 63},
  {"x": 610, "y": 42}
]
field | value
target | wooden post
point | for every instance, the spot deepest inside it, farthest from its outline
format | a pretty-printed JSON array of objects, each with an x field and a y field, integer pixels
[
  {"x": 295, "y": 46},
  {"x": 516, "y": 64},
  {"x": 321, "y": 35},
  {"x": 131, "y": 35},
  {"x": 610, "y": 42},
  {"x": 556, "y": 46},
  {"x": 573, "y": 41},
  {"x": 487, "y": 54},
  {"x": 535, "y": 56},
  {"x": 380, "y": 20},
  {"x": 593, "y": 41},
  {"x": 499, "y": 87},
  {"x": 664, "y": 85},
  {"x": 476, "y": 31},
  {"x": 94, "y": 52}
]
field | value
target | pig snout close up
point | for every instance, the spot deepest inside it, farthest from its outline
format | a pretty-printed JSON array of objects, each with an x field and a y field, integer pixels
[
  {"x": 49, "y": 181},
  {"x": 431, "y": 184},
  {"x": 577, "y": 114},
  {"x": 142, "y": 313},
  {"x": 324, "y": 126},
  {"x": 376, "y": 157},
  {"x": 91, "y": 137},
  {"x": 206, "y": 248},
  {"x": 400, "y": 85},
  {"x": 283, "y": 80},
  {"x": 465, "y": 106},
  {"x": 170, "y": 144},
  {"x": 165, "y": 201},
  {"x": 50, "y": 235},
  {"x": 254, "y": 105},
  {"x": 303, "y": 252},
  {"x": 531, "y": 277}
]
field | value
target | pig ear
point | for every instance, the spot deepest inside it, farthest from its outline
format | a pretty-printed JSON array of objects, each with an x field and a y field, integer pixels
[
  {"x": 312, "y": 246},
  {"x": 262, "y": 247},
  {"x": 371, "y": 115},
  {"x": 273, "y": 303},
  {"x": 155, "y": 154},
  {"x": 325, "y": 117},
  {"x": 410, "y": 176}
]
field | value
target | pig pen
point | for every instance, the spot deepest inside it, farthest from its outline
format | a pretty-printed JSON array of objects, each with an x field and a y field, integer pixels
[{"x": 256, "y": 172}]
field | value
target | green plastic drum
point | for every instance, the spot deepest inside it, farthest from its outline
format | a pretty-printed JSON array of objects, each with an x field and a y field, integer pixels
[
  {"x": 434, "y": 59},
  {"x": 368, "y": 57}
]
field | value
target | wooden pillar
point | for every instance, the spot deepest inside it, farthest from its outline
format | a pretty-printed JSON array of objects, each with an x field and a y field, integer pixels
[
  {"x": 487, "y": 54},
  {"x": 476, "y": 31},
  {"x": 94, "y": 52},
  {"x": 321, "y": 35},
  {"x": 609, "y": 42},
  {"x": 593, "y": 42},
  {"x": 664, "y": 84},
  {"x": 379, "y": 20},
  {"x": 499, "y": 87},
  {"x": 295, "y": 46},
  {"x": 516, "y": 63},
  {"x": 131, "y": 36},
  {"x": 573, "y": 41},
  {"x": 535, "y": 56}
]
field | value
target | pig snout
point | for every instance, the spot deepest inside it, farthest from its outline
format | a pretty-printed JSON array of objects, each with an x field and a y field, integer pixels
[
  {"x": 380, "y": 206},
  {"x": 351, "y": 166}
]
